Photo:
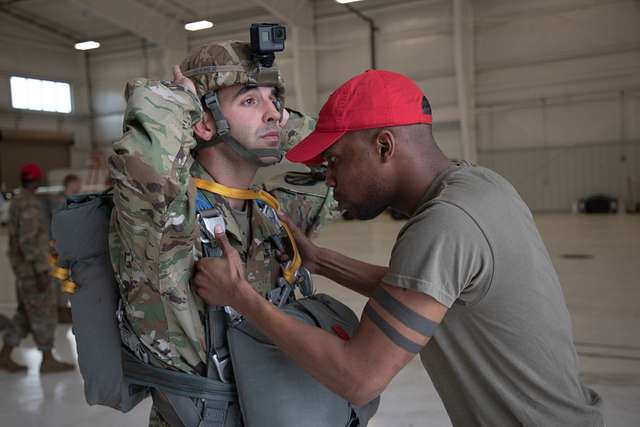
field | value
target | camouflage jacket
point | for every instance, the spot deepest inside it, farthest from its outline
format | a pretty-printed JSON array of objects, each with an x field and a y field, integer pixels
[
  {"x": 154, "y": 236},
  {"x": 28, "y": 235}
]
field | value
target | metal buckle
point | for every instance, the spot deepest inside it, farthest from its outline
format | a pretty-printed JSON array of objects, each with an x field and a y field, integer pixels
[
  {"x": 304, "y": 282},
  {"x": 234, "y": 317},
  {"x": 222, "y": 366},
  {"x": 280, "y": 296}
]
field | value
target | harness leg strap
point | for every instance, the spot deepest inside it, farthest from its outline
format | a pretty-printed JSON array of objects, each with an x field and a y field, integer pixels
[
  {"x": 177, "y": 411},
  {"x": 214, "y": 413}
]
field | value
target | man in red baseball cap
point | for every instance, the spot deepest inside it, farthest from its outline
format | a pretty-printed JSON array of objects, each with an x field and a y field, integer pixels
[
  {"x": 28, "y": 253},
  {"x": 469, "y": 286},
  {"x": 31, "y": 172}
]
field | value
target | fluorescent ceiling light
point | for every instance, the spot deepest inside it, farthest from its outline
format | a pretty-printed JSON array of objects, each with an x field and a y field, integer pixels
[
  {"x": 347, "y": 1},
  {"x": 198, "y": 25},
  {"x": 87, "y": 45}
]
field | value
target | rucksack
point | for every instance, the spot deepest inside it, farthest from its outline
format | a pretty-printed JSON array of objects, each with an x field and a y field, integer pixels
[{"x": 118, "y": 376}]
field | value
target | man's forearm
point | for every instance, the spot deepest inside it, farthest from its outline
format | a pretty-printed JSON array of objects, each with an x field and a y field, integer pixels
[{"x": 356, "y": 275}]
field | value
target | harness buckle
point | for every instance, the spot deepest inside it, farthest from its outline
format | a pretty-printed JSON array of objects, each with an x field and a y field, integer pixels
[{"x": 223, "y": 368}]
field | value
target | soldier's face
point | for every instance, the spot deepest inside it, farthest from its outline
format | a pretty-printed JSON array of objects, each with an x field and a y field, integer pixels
[
  {"x": 353, "y": 172},
  {"x": 252, "y": 115},
  {"x": 73, "y": 187}
]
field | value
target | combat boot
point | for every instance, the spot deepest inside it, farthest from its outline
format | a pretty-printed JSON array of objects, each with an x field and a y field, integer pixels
[
  {"x": 7, "y": 364},
  {"x": 51, "y": 365}
]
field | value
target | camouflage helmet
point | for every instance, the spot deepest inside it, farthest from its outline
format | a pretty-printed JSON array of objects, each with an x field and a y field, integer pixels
[{"x": 225, "y": 64}]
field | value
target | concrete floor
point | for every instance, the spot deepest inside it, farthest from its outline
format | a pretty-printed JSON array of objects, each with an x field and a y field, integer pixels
[{"x": 603, "y": 294}]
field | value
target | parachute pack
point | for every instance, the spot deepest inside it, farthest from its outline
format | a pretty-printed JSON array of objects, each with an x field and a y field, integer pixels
[{"x": 265, "y": 388}]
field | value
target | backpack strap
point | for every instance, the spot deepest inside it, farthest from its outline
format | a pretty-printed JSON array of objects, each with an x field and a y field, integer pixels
[
  {"x": 184, "y": 400},
  {"x": 218, "y": 361},
  {"x": 290, "y": 271}
]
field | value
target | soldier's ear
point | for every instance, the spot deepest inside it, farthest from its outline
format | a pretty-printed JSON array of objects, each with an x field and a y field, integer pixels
[{"x": 205, "y": 129}]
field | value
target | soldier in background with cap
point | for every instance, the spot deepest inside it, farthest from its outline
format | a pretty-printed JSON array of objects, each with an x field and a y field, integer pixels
[
  {"x": 219, "y": 125},
  {"x": 28, "y": 254},
  {"x": 470, "y": 285}
]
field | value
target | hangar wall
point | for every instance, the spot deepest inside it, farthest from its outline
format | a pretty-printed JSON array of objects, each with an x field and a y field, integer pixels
[
  {"x": 30, "y": 52},
  {"x": 558, "y": 98},
  {"x": 557, "y": 84}
]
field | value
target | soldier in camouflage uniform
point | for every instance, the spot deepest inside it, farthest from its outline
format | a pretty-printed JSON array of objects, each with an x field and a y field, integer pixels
[
  {"x": 169, "y": 139},
  {"x": 28, "y": 253}
]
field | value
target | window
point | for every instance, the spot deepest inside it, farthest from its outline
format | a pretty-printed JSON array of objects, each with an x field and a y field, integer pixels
[{"x": 40, "y": 95}]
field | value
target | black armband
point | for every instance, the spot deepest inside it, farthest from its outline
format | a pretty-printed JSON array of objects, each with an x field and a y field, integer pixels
[
  {"x": 404, "y": 314},
  {"x": 396, "y": 337}
]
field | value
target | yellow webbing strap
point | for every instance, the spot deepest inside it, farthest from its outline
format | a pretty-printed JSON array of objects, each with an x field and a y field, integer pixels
[
  {"x": 62, "y": 274},
  {"x": 288, "y": 273}
]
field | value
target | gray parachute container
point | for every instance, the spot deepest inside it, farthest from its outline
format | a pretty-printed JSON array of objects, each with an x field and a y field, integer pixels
[
  {"x": 275, "y": 392},
  {"x": 81, "y": 231}
]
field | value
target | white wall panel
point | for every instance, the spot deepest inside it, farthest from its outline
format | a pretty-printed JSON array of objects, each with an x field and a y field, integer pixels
[
  {"x": 448, "y": 139},
  {"x": 441, "y": 92},
  {"x": 518, "y": 128},
  {"x": 583, "y": 123},
  {"x": 552, "y": 179},
  {"x": 108, "y": 127},
  {"x": 549, "y": 80},
  {"x": 562, "y": 77},
  {"x": 566, "y": 28},
  {"x": 632, "y": 115}
]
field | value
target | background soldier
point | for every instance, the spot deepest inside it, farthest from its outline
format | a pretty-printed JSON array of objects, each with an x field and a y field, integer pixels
[{"x": 28, "y": 253}]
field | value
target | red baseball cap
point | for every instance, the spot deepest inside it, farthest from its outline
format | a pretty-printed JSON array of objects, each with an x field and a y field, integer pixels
[
  {"x": 31, "y": 171},
  {"x": 373, "y": 99}
]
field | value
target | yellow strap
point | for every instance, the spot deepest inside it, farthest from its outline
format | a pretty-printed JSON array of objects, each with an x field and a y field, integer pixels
[
  {"x": 289, "y": 273},
  {"x": 62, "y": 274},
  {"x": 68, "y": 287},
  {"x": 59, "y": 273},
  {"x": 52, "y": 260}
]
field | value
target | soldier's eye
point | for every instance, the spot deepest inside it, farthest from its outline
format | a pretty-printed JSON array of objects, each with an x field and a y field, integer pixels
[{"x": 249, "y": 101}]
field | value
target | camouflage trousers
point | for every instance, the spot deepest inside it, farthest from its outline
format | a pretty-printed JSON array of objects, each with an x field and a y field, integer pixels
[{"x": 36, "y": 314}]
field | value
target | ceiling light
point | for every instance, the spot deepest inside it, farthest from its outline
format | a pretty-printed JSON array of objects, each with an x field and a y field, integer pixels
[
  {"x": 347, "y": 1},
  {"x": 198, "y": 25},
  {"x": 87, "y": 45}
]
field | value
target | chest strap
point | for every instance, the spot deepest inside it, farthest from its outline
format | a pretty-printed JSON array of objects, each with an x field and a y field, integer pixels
[{"x": 288, "y": 272}]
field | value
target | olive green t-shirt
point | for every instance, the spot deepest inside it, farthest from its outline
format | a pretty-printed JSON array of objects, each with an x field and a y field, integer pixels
[{"x": 503, "y": 354}]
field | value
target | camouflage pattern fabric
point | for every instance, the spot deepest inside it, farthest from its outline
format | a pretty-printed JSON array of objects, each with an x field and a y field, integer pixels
[
  {"x": 154, "y": 235},
  {"x": 153, "y": 225},
  {"x": 298, "y": 127},
  {"x": 28, "y": 251},
  {"x": 225, "y": 64},
  {"x": 310, "y": 207},
  {"x": 28, "y": 235},
  {"x": 36, "y": 314},
  {"x": 251, "y": 236}
]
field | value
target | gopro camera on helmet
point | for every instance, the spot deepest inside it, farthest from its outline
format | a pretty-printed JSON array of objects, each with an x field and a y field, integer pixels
[{"x": 265, "y": 40}]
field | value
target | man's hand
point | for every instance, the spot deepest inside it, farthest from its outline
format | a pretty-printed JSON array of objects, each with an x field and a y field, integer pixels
[
  {"x": 220, "y": 280},
  {"x": 180, "y": 80},
  {"x": 43, "y": 281},
  {"x": 308, "y": 250}
]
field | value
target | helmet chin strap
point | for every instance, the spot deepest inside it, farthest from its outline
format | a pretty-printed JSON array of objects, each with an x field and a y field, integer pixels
[{"x": 256, "y": 156}]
